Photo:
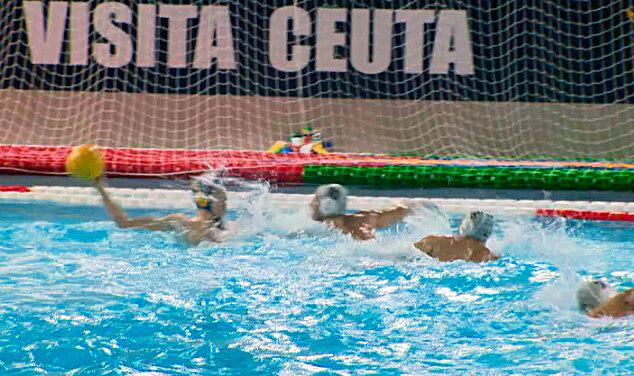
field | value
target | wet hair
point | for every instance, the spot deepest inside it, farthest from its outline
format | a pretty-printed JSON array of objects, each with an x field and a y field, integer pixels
[
  {"x": 332, "y": 200},
  {"x": 478, "y": 225}
]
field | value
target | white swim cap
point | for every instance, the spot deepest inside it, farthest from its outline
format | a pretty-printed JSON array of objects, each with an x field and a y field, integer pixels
[
  {"x": 478, "y": 225},
  {"x": 592, "y": 293},
  {"x": 332, "y": 200}
]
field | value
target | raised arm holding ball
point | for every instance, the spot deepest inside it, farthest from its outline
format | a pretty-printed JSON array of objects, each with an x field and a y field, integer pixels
[{"x": 210, "y": 198}]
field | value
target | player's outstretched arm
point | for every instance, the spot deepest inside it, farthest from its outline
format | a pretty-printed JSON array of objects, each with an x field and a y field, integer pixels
[
  {"x": 123, "y": 221},
  {"x": 387, "y": 217}
]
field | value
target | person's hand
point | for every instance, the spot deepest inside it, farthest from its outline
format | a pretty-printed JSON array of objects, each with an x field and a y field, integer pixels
[
  {"x": 402, "y": 205},
  {"x": 418, "y": 206},
  {"x": 100, "y": 183}
]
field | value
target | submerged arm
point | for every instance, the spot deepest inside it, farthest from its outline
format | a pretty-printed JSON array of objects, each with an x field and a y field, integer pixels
[
  {"x": 482, "y": 253},
  {"x": 122, "y": 220},
  {"x": 362, "y": 233},
  {"x": 356, "y": 225}
]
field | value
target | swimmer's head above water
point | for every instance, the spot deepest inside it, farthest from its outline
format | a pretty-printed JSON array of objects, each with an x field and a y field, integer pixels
[
  {"x": 209, "y": 196},
  {"x": 477, "y": 225},
  {"x": 592, "y": 293},
  {"x": 329, "y": 201}
]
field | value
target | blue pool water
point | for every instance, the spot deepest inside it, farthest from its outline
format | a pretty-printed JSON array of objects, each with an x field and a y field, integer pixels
[{"x": 282, "y": 297}]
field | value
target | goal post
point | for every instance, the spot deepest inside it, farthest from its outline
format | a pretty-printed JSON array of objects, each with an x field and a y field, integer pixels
[{"x": 512, "y": 79}]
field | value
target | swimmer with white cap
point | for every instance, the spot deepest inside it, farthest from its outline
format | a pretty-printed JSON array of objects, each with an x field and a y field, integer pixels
[
  {"x": 329, "y": 206},
  {"x": 469, "y": 245},
  {"x": 207, "y": 225},
  {"x": 599, "y": 299}
]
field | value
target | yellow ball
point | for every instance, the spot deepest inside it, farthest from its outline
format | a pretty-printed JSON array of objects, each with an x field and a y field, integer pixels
[{"x": 85, "y": 162}]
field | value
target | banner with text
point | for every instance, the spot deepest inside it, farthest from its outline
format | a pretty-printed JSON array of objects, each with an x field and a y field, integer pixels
[{"x": 447, "y": 50}]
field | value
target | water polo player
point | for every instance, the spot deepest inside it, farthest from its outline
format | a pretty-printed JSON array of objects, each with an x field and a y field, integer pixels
[
  {"x": 469, "y": 245},
  {"x": 206, "y": 225},
  {"x": 599, "y": 299},
  {"x": 329, "y": 206}
]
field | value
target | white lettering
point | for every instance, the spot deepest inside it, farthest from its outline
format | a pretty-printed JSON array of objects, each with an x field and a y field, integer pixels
[
  {"x": 381, "y": 41},
  {"x": 368, "y": 47},
  {"x": 328, "y": 38},
  {"x": 45, "y": 45},
  {"x": 414, "y": 30},
  {"x": 177, "y": 32},
  {"x": 452, "y": 25},
  {"x": 79, "y": 33},
  {"x": 105, "y": 15},
  {"x": 278, "y": 40},
  {"x": 215, "y": 21},
  {"x": 146, "y": 35}
]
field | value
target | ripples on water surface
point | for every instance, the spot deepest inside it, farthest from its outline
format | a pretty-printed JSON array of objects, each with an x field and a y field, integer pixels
[{"x": 80, "y": 296}]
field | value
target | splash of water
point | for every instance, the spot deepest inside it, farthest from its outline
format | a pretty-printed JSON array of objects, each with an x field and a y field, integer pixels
[{"x": 562, "y": 250}]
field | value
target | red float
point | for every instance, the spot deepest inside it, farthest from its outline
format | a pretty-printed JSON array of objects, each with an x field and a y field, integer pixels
[
  {"x": 14, "y": 188},
  {"x": 277, "y": 168},
  {"x": 597, "y": 215}
]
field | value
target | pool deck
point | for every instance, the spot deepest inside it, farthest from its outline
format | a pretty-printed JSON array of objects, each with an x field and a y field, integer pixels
[{"x": 467, "y": 193}]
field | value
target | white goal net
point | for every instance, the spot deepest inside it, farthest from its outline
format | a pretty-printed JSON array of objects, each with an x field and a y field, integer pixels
[{"x": 525, "y": 79}]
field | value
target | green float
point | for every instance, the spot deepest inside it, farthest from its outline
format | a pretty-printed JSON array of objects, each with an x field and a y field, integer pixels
[{"x": 399, "y": 176}]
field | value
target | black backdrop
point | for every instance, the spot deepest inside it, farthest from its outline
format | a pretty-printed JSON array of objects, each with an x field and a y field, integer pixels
[{"x": 524, "y": 50}]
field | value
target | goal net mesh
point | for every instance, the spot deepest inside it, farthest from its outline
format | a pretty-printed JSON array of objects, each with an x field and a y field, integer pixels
[{"x": 519, "y": 79}]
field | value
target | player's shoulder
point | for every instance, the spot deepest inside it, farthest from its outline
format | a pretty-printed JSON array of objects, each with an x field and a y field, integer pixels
[
  {"x": 358, "y": 217},
  {"x": 431, "y": 240},
  {"x": 361, "y": 214},
  {"x": 438, "y": 238},
  {"x": 176, "y": 217},
  {"x": 627, "y": 296}
]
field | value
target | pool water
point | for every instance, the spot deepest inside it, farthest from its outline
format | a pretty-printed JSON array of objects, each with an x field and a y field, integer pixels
[{"x": 79, "y": 296}]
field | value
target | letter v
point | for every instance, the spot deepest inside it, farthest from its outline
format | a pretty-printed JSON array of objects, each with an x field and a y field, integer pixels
[{"x": 45, "y": 45}]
